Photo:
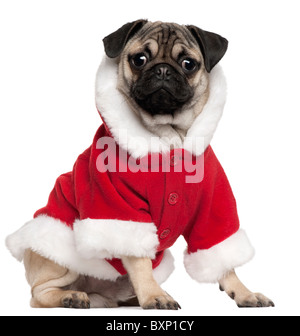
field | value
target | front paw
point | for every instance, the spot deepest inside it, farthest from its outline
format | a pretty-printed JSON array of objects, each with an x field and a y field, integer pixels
[
  {"x": 161, "y": 302},
  {"x": 252, "y": 300}
]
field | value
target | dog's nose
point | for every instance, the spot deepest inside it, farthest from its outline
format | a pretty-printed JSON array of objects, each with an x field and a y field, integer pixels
[{"x": 163, "y": 72}]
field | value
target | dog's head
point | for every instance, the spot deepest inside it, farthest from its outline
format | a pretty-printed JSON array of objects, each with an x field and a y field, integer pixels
[{"x": 164, "y": 67}]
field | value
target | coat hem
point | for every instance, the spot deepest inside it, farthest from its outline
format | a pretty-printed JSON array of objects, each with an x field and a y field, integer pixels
[{"x": 54, "y": 240}]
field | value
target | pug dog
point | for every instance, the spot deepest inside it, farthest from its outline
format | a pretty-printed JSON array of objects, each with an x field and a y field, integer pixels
[{"x": 157, "y": 80}]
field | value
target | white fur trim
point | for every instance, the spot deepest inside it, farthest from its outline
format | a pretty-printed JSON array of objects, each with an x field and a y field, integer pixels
[
  {"x": 206, "y": 123},
  {"x": 126, "y": 127},
  {"x": 165, "y": 269},
  {"x": 115, "y": 238},
  {"x": 212, "y": 264},
  {"x": 54, "y": 240}
]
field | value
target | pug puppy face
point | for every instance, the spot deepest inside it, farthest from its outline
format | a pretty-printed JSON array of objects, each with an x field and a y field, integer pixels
[{"x": 164, "y": 70}]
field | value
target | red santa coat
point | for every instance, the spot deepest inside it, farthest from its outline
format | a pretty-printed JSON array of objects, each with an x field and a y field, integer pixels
[{"x": 95, "y": 214}]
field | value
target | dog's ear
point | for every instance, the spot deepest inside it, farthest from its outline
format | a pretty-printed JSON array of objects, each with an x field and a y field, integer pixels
[
  {"x": 213, "y": 46},
  {"x": 115, "y": 42}
]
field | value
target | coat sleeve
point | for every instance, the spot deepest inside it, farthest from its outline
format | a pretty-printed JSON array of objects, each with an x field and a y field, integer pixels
[{"x": 216, "y": 244}]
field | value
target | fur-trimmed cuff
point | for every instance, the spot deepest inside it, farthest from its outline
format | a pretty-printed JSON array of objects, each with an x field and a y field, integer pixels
[
  {"x": 54, "y": 240},
  {"x": 115, "y": 238},
  {"x": 212, "y": 264}
]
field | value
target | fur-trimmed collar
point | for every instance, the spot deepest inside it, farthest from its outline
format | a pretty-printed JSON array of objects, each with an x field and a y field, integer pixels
[{"x": 127, "y": 128}]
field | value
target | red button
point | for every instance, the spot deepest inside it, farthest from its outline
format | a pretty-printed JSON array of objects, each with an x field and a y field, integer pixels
[
  {"x": 173, "y": 198},
  {"x": 165, "y": 234}
]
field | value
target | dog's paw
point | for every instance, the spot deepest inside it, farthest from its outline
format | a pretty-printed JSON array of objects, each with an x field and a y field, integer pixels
[
  {"x": 161, "y": 302},
  {"x": 78, "y": 300},
  {"x": 254, "y": 300}
]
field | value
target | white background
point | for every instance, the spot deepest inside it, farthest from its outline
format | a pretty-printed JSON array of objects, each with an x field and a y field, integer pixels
[{"x": 50, "y": 51}]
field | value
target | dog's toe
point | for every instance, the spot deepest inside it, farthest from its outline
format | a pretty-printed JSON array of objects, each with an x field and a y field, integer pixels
[
  {"x": 265, "y": 302},
  {"x": 67, "y": 302}
]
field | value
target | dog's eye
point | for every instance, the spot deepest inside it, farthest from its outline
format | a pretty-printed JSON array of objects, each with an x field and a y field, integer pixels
[
  {"x": 189, "y": 65},
  {"x": 139, "y": 60}
]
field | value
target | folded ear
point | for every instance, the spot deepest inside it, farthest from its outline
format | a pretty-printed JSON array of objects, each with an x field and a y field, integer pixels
[
  {"x": 213, "y": 46},
  {"x": 115, "y": 42}
]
